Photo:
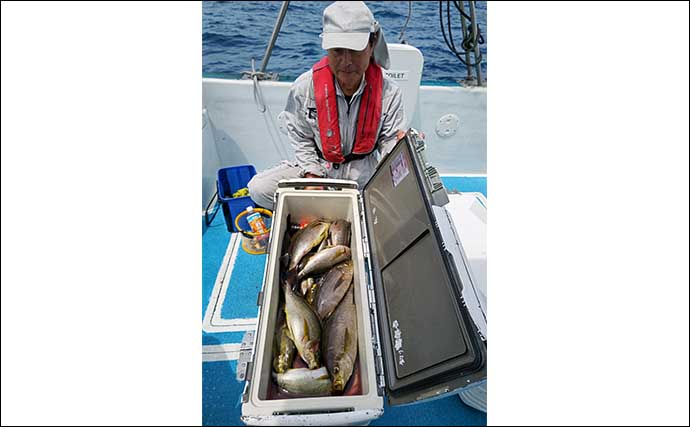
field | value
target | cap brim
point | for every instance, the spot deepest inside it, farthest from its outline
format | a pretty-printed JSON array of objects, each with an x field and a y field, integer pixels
[{"x": 352, "y": 41}]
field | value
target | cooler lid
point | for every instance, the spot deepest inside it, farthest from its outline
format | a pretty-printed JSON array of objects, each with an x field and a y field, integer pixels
[{"x": 428, "y": 341}]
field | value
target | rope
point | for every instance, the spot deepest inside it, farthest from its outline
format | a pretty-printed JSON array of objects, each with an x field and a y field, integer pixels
[
  {"x": 468, "y": 44},
  {"x": 409, "y": 14},
  {"x": 258, "y": 95},
  {"x": 280, "y": 144},
  {"x": 462, "y": 12},
  {"x": 262, "y": 107},
  {"x": 471, "y": 43}
]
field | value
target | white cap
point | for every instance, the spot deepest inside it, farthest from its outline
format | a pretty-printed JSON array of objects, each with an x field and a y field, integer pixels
[
  {"x": 347, "y": 24},
  {"x": 250, "y": 208}
]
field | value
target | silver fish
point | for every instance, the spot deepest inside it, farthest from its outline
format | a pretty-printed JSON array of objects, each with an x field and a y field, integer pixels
[
  {"x": 325, "y": 259},
  {"x": 304, "y": 381},
  {"x": 340, "y": 233},
  {"x": 305, "y": 239},
  {"x": 304, "y": 326},
  {"x": 305, "y": 285},
  {"x": 313, "y": 290},
  {"x": 283, "y": 349},
  {"x": 324, "y": 244},
  {"x": 333, "y": 288},
  {"x": 305, "y": 259},
  {"x": 340, "y": 342}
]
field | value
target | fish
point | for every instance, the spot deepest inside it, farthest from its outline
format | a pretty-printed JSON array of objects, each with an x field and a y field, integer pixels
[
  {"x": 333, "y": 288},
  {"x": 324, "y": 244},
  {"x": 340, "y": 342},
  {"x": 304, "y": 326},
  {"x": 305, "y": 239},
  {"x": 325, "y": 259},
  {"x": 290, "y": 277},
  {"x": 305, "y": 285},
  {"x": 283, "y": 348},
  {"x": 305, "y": 382},
  {"x": 354, "y": 386},
  {"x": 313, "y": 290},
  {"x": 340, "y": 233},
  {"x": 285, "y": 246},
  {"x": 305, "y": 260}
]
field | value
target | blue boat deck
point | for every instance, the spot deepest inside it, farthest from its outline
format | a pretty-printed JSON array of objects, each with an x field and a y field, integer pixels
[{"x": 232, "y": 280}]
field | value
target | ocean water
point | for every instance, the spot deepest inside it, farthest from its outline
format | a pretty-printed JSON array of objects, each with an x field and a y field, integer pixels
[{"x": 235, "y": 32}]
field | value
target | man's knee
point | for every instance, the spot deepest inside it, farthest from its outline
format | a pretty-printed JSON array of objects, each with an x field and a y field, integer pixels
[{"x": 261, "y": 191}]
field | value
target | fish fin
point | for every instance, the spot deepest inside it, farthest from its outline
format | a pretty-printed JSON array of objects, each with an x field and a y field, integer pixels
[
  {"x": 347, "y": 340},
  {"x": 306, "y": 328}
]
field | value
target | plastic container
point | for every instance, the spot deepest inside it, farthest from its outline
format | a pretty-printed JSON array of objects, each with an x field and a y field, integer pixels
[
  {"x": 255, "y": 241},
  {"x": 255, "y": 221},
  {"x": 230, "y": 180}
]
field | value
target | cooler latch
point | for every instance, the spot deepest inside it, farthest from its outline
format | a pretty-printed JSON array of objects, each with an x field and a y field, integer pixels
[
  {"x": 375, "y": 338},
  {"x": 381, "y": 380},
  {"x": 437, "y": 191},
  {"x": 244, "y": 363}
]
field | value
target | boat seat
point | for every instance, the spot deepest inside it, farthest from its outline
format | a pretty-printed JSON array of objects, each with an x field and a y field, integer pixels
[{"x": 407, "y": 63}]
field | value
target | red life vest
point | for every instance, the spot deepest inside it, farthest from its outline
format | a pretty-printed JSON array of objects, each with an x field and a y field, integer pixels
[{"x": 327, "y": 111}]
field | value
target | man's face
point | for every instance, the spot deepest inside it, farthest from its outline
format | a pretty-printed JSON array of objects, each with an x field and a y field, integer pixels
[{"x": 349, "y": 66}]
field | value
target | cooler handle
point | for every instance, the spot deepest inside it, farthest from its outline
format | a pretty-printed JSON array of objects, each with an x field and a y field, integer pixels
[{"x": 300, "y": 183}]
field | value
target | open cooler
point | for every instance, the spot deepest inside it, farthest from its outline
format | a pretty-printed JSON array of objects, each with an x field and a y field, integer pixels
[{"x": 420, "y": 326}]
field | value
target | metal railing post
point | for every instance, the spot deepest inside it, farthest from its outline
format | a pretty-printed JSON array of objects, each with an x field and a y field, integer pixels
[
  {"x": 475, "y": 34},
  {"x": 274, "y": 36},
  {"x": 464, "y": 37}
]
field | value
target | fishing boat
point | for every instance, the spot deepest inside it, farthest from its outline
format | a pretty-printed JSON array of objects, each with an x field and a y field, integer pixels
[{"x": 446, "y": 143}]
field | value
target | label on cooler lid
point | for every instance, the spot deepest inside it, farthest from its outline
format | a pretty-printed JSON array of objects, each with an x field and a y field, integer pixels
[
  {"x": 398, "y": 342},
  {"x": 399, "y": 169}
]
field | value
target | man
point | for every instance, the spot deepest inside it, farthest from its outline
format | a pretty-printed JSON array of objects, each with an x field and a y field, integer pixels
[{"x": 343, "y": 115}]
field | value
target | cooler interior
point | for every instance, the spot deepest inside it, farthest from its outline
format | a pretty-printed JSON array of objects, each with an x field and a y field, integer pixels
[{"x": 305, "y": 206}]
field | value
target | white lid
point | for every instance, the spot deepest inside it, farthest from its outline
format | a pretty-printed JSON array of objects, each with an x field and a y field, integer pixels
[{"x": 250, "y": 208}]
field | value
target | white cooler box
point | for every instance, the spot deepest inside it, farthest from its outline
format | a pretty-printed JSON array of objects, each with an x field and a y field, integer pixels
[{"x": 415, "y": 299}]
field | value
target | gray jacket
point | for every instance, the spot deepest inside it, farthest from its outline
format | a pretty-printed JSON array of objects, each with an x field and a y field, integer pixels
[{"x": 303, "y": 128}]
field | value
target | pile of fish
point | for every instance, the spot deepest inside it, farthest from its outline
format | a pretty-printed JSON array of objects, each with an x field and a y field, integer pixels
[{"x": 315, "y": 343}]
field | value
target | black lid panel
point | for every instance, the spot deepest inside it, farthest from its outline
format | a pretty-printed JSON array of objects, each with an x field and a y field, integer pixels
[
  {"x": 422, "y": 318},
  {"x": 427, "y": 338}
]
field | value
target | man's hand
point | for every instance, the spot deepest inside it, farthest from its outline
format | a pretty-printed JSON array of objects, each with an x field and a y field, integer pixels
[
  {"x": 400, "y": 134},
  {"x": 311, "y": 175}
]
